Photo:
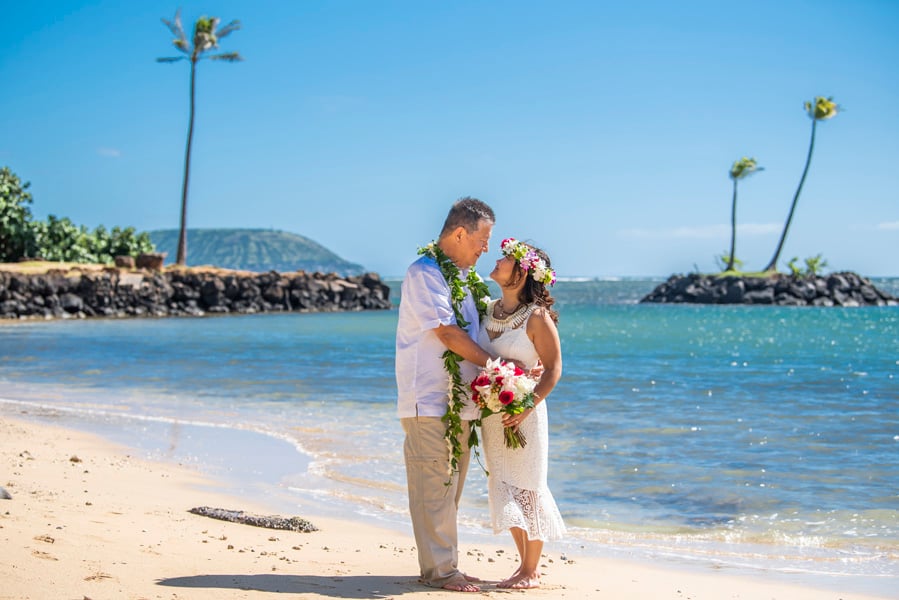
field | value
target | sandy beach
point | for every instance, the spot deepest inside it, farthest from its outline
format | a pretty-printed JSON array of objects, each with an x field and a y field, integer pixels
[{"x": 89, "y": 520}]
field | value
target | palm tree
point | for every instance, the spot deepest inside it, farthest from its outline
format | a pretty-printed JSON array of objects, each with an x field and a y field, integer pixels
[
  {"x": 819, "y": 110},
  {"x": 741, "y": 168},
  {"x": 206, "y": 37}
]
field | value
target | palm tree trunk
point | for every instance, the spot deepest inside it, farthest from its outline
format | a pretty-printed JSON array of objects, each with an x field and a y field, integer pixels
[
  {"x": 733, "y": 229},
  {"x": 182, "y": 235},
  {"x": 772, "y": 265}
]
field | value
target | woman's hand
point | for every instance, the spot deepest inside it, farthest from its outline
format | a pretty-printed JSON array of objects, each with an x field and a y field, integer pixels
[{"x": 516, "y": 420}]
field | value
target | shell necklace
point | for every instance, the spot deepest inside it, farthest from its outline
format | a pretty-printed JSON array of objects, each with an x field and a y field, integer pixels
[{"x": 513, "y": 320}]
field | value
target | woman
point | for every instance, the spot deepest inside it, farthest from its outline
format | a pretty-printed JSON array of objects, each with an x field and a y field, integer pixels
[{"x": 521, "y": 326}]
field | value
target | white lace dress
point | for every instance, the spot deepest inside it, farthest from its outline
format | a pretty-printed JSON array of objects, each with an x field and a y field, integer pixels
[{"x": 517, "y": 490}]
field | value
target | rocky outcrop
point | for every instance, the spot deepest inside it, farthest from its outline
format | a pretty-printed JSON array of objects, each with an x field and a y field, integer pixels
[
  {"x": 115, "y": 293},
  {"x": 836, "y": 289}
]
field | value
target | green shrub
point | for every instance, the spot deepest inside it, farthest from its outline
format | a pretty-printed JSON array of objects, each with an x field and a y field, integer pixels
[
  {"x": 16, "y": 239},
  {"x": 57, "y": 239}
]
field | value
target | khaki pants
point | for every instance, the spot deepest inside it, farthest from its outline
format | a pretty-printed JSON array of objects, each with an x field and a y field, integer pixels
[{"x": 433, "y": 506}]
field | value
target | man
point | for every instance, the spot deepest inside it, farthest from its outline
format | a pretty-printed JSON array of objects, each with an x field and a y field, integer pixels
[{"x": 427, "y": 327}]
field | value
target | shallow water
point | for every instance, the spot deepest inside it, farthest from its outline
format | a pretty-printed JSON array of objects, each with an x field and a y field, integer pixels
[{"x": 746, "y": 437}]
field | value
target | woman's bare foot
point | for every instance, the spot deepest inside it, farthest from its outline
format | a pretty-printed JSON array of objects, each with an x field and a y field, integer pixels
[
  {"x": 526, "y": 583},
  {"x": 520, "y": 582},
  {"x": 505, "y": 582}
]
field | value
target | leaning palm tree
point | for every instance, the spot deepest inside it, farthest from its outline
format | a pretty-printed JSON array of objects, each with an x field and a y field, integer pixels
[
  {"x": 819, "y": 110},
  {"x": 206, "y": 37},
  {"x": 741, "y": 169}
]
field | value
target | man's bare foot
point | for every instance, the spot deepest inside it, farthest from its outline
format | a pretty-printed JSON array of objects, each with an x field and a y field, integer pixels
[
  {"x": 472, "y": 578},
  {"x": 461, "y": 586},
  {"x": 460, "y": 582}
]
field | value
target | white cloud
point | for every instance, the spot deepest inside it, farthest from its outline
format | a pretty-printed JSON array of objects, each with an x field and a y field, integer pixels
[
  {"x": 888, "y": 225},
  {"x": 702, "y": 233},
  {"x": 109, "y": 152},
  {"x": 759, "y": 228}
]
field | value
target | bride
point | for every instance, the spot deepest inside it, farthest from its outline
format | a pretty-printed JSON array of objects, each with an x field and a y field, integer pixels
[{"x": 521, "y": 326}]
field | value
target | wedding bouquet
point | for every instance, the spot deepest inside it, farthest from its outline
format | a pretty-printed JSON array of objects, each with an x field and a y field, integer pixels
[{"x": 502, "y": 387}]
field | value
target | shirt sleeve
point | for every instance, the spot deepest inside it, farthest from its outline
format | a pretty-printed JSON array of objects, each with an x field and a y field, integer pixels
[{"x": 428, "y": 296}]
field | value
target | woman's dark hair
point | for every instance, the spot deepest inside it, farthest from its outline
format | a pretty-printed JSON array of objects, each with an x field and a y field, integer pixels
[
  {"x": 467, "y": 212},
  {"x": 536, "y": 291}
]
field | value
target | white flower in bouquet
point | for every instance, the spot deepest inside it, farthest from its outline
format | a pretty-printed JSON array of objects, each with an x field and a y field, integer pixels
[{"x": 503, "y": 387}]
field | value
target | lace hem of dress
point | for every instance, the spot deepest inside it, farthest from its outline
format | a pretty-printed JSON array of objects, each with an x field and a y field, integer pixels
[{"x": 534, "y": 511}]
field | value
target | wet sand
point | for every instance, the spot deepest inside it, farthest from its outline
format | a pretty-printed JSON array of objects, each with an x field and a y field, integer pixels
[{"x": 89, "y": 520}]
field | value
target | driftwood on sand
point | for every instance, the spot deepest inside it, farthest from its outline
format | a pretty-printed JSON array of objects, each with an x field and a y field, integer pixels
[{"x": 272, "y": 522}]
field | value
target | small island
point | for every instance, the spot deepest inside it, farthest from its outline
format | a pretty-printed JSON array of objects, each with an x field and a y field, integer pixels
[
  {"x": 801, "y": 287},
  {"x": 846, "y": 289}
]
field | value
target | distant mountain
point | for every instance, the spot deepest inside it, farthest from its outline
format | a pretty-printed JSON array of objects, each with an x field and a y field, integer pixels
[{"x": 258, "y": 250}]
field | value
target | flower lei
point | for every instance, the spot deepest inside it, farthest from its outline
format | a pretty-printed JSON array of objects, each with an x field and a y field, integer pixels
[
  {"x": 451, "y": 360},
  {"x": 529, "y": 260}
]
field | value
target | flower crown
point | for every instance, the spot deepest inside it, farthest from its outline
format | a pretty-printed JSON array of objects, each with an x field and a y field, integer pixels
[{"x": 529, "y": 260}]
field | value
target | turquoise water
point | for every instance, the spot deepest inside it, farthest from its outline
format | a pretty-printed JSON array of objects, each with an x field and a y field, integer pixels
[{"x": 757, "y": 438}]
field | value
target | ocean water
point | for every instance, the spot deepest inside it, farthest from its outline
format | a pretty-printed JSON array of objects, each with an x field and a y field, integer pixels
[{"x": 756, "y": 439}]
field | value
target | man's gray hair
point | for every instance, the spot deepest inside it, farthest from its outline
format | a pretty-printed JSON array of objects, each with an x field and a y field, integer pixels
[{"x": 467, "y": 212}]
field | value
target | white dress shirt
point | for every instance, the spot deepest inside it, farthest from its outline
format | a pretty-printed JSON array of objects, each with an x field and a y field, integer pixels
[{"x": 425, "y": 304}]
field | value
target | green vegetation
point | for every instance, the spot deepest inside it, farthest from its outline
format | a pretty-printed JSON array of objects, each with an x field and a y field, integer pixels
[
  {"x": 60, "y": 240},
  {"x": 741, "y": 169},
  {"x": 205, "y": 38},
  {"x": 818, "y": 110},
  {"x": 813, "y": 266},
  {"x": 256, "y": 250},
  {"x": 16, "y": 239},
  {"x": 728, "y": 263},
  {"x": 63, "y": 241},
  {"x": 737, "y": 273},
  {"x": 57, "y": 239}
]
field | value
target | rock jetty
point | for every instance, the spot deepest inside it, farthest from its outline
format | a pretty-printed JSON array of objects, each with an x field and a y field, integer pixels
[
  {"x": 837, "y": 289},
  {"x": 118, "y": 293}
]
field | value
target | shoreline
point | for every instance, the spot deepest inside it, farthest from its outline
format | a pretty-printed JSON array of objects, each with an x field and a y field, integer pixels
[{"x": 80, "y": 527}]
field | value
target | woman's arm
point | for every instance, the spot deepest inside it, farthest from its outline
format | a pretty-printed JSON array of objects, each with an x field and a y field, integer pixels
[{"x": 545, "y": 336}]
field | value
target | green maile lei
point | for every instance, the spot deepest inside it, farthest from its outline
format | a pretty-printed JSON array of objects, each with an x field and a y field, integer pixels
[{"x": 451, "y": 361}]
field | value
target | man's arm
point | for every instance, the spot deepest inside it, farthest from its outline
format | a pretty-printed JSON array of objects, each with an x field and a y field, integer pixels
[{"x": 456, "y": 339}]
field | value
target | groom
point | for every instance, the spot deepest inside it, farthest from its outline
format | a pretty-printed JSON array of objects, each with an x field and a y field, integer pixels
[{"x": 426, "y": 328}]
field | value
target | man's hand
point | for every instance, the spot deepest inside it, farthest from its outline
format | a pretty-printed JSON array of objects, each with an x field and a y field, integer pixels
[{"x": 537, "y": 372}]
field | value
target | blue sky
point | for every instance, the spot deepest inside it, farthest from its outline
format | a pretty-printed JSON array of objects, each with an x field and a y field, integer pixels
[{"x": 600, "y": 131}]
